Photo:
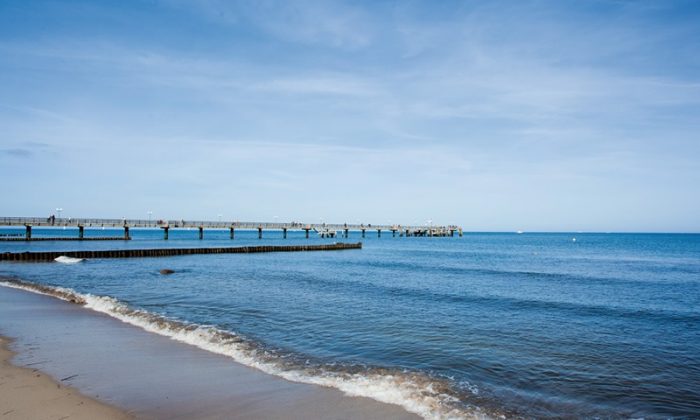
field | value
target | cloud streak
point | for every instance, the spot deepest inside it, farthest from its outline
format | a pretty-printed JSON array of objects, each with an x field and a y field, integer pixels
[{"x": 458, "y": 102}]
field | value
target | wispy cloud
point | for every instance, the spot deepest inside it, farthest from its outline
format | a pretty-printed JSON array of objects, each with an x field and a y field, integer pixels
[
  {"x": 329, "y": 23},
  {"x": 449, "y": 100},
  {"x": 19, "y": 153},
  {"x": 322, "y": 84}
]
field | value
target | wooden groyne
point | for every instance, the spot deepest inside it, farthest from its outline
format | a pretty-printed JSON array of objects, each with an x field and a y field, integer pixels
[
  {"x": 62, "y": 238},
  {"x": 169, "y": 252}
]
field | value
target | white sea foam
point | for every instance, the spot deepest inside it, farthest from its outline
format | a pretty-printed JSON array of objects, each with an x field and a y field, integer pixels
[
  {"x": 415, "y": 392},
  {"x": 68, "y": 260}
]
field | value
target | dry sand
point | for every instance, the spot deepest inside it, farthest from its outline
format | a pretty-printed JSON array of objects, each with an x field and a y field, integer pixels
[{"x": 29, "y": 394}]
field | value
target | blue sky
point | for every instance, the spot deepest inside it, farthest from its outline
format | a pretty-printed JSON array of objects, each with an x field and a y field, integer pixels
[{"x": 530, "y": 115}]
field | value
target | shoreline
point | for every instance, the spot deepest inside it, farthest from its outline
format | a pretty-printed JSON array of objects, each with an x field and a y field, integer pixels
[
  {"x": 29, "y": 393},
  {"x": 148, "y": 375}
]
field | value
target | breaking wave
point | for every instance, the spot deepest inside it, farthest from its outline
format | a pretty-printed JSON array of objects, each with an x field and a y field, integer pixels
[
  {"x": 68, "y": 260},
  {"x": 428, "y": 397}
]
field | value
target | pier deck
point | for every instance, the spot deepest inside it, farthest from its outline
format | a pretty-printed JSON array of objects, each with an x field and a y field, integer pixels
[{"x": 323, "y": 229}]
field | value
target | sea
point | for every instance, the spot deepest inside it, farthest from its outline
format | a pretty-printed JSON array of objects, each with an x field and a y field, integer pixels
[{"x": 488, "y": 325}]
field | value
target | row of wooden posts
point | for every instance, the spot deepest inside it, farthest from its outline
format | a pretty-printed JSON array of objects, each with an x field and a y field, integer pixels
[
  {"x": 168, "y": 252},
  {"x": 166, "y": 229}
]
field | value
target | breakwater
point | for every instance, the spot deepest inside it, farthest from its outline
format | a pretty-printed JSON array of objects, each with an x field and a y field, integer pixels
[{"x": 170, "y": 252}]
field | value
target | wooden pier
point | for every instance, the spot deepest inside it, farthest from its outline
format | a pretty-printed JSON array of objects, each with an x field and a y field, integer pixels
[
  {"x": 170, "y": 252},
  {"x": 331, "y": 230},
  {"x": 22, "y": 238}
]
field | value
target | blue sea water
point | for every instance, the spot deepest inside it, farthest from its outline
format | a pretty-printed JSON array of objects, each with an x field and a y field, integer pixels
[{"x": 521, "y": 325}]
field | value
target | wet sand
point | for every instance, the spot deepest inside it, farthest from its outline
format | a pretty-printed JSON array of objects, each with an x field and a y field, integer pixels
[
  {"x": 26, "y": 393},
  {"x": 150, "y": 376}
]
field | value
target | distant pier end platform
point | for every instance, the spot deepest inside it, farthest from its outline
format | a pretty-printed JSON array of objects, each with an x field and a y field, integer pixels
[{"x": 324, "y": 230}]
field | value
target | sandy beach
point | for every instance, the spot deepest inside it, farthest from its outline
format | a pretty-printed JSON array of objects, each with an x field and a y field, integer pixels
[
  {"x": 75, "y": 350},
  {"x": 27, "y": 393}
]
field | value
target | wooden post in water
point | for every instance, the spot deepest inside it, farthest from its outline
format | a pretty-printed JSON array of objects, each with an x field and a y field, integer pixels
[
  {"x": 346, "y": 233},
  {"x": 165, "y": 232},
  {"x": 126, "y": 232},
  {"x": 259, "y": 232},
  {"x": 231, "y": 232},
  {"x": 81, "y": 232},
  {"x": 201, "y": 232},
  {"x": 363, "y": 233},
  {"x": 379, "y": 233},
  {"x": 28, "y": 229},
  {"x": 393, "y": 233},
  {"x": 307, "y": 232},
  {"x": 165, "y": 252},
  {"x": 284, "y": 233}
]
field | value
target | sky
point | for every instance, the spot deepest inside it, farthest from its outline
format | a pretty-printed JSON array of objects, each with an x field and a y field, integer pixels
[{"x": 496, "y": 116}]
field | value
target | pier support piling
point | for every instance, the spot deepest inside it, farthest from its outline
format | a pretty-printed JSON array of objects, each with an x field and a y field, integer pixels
[{"x": 323, "y": 229}]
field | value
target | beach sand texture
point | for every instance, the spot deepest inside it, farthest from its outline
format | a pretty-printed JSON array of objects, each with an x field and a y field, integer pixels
[
  {"x": 27, "y": 393},
  {"x": 147, "y": 375}
]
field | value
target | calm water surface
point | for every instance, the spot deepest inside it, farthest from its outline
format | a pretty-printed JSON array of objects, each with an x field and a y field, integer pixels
[{"x": 531, "y": 325}]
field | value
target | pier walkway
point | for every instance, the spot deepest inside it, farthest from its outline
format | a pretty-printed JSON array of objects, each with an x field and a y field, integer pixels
[{"x": 322, "y": 229}]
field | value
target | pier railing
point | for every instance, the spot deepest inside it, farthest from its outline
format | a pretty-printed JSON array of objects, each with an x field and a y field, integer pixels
[
  {"x": 325, "y": 230},
  {"x": 207, "y": 224}
]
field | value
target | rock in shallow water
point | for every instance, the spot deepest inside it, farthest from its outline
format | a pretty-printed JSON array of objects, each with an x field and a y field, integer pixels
[{"x": 167, "y": 271}]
